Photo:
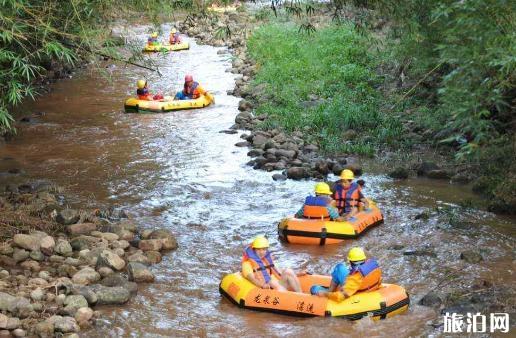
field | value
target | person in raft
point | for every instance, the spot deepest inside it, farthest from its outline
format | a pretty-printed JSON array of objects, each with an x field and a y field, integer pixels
[
  {"x": 143, "y": 92},
  {"x": 174, "y": 37},
  {"x": 320, "y": 206},
  {"x": 348, "y": 195},
  {"x": 258, "y": 267},
  {"x": 153, "y": 39},
  {"x": 191, "y": 90},
  {"x": 363, "y": 275}
]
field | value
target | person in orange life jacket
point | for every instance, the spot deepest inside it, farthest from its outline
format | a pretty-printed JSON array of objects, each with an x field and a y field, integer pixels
[
  {"x": 174, "y": 37},
  {"x": 363, "y": 275},
  {"x": 320, "y": 206},
  {"x": 348, "y": 194},
  {"x": 143, "y": 92},
  {"x": 153, "y": 39},
  {"x": 258, "y": 267},
  {"x": 191, "y": 90}
]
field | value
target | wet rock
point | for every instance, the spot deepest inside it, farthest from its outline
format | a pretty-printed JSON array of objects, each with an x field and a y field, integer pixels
[
  {"x": 259, "y": 140},
  {"x": 139, "y": 273},
  {"x": 121, "y": 244},
  {"x": 108, "y": 236},
  {"x": 242, "y": 144},
  {"x": 111, "y": 260},
  {"x": 154, "y": 257},
  {"x": 228, "y": 131},
  {"x": 412, "y": 252},
  {"x": 425, "y": 215},
  {"x": 115, "y": 279},
  {"x": 73, "y": 303},
  {"x": 150, "y": 244},
  {"x": 63, "y": 248},
  {"x": 47, "y": 245},
  {"x": 20, "y": 255},
  {"x": 83, "y": 242},
  {"x": 86, "y": 276},
  {"x": 438, "y": 174},
  {"x": 111, "y": 295},
  {"x": 288, "y": 154},
  {"x": 471, "y": 256},
  {"x": 37, "y": 256},
  {"x": 168, "y": 240},
  {"x": 81, "y": 228},
  {"x": 431, "y": 299},
  {"x": 425, "y": 167},
  {"x": 461, "y": 178},
  {"x": 66, "y": 325},
  {"x": 321, "y": 166},
  {"x": 86, "y": 292},
  {"x": 279, "y": 177},
  {"x": 243, "y": 117},
  {"x": 399, "y": 173},
  {"x": 83, "y": 314},
  {"x": 67, "y": 217},
  {"x": 124, "y": 234},
  {"x": 245, "y": 105},
  {"x": 26, "y": 242},
  {"x": 297, "y": 173},
  {"x": 139, "y": 257}
]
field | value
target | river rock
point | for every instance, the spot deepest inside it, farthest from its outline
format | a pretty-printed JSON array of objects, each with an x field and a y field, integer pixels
[
  {"x": 288, "y": 154},
  {"x": 322, "y": 167},
  {"x": 438, "y": 174},
  {"x": 255, "y": 153},
  {"x": 83, "y": 314},
  {"x": 245, "y": 105},
  {"x": 139, "y": 273},
  {"x": 31, "y": 265},
  {"x": 150, "y": 244},
  {"x": 63, "y": 248},
  {"x": 109, "y": 236},
  {"x": 111, "y": 260},
  {"x": 399, "y": 173},
  {"x": 67, "y": 217},
  {"x": 37, "y": 255},
  {"x": 38, "y": 294},
  {"x": 81, "y": 228},
  {"x": 243, "y": 117},
  {"x": 84, "y": 242},
  {"x": 425, "y": 167},
  {"x": 3, "y": 321},
  {"x": 431, "y": 299},
  {"x": 124, "y": 234},
  {"x": 66, "y": 325},
  {"x": 20, "y": 255},
  {"x": 297, "y": 173},
  {"x": 86, "y": 292},
  {"x": 28, "y": 242},
  {"x": 111, "y": 295},
  {"x": 154, "y": 257},
  {"x": 86, "y": 276},
  {"x": 139, "y": 257},
  {"x": 73, "y": 303},
  {"x": 6, "y": 249},
  {"x": 19, "y": 333},
  {"x": 259, "y": 140},
  {"x": 47, "y": 245},
  {"x": 4, "y": 274},
  {"x": 44, "y": 329},
  {"x": 242, "y": 144},
  {"x": 122, "y": 244},
  {"x": 168, "y": 240},
  {"x": 471, "y": 256},
  {"x": 13, "y": 323}
]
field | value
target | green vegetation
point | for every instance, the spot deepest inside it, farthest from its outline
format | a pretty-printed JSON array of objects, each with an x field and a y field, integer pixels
[
  {"x": 37, "y": 35},
  {"x": 325, "y": 81}
]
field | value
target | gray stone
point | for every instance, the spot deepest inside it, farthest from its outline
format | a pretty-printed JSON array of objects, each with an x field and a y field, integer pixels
[
  {"x": 111, "y": 260},
  {"x": 81, "y": 228},
  {"x": 66, "y": 325},
  {"x": 399, "y": 173},
  {"x": 168, "y": 240},
  {"x": 67, "y": 217},
  {"x": 44, "y": 329},
  {"x": 28, "y": 242},
  {"x": 86, "y": 276},
  {"x": 13, "y": 323},
  {"x": 47, "y": 245},
  {"x": 139, "y": 273},
  {"x": 86, "y": 292},
  {"x": 297, "y": 173},
  {"x": 279, "y": 177},
  {"x": 111, "y": 295},
  {"x": 83, "y": 314},
  {"x": 19, "y": 333},
  {"x": 20, "y": 255},
  {"x": 63, "y": 248},
  {"x": 73, "y": 303},
  {"x": 37, "y": 294},
  {"x": 431, "y": 299},
  {"x": 37, "y": 255},
  {"x": 138, "y": 257},
  {"x": 425, "y": 167},
  {"x": 471, "y": 256}
]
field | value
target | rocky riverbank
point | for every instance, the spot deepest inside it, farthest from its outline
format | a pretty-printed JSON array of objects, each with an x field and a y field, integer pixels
[{"x": 58, "y": 265}]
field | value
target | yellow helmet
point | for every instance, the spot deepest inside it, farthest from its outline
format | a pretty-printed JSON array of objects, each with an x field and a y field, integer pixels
[
  {"x": 347, "y": 174},
  {"x": 173, "y": 31},
  {"x": 260, "y": 242},
  {"x": 141, "y": 84},
  {"x": 154, "y": 34},
  {"x": 356, "y": 254},
  {"x": 322, "y": 188}
]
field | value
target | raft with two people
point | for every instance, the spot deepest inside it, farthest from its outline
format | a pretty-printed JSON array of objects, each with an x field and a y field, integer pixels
[
  {"x": 159, "y": 47},
  {"x": 384, "y": 302}
]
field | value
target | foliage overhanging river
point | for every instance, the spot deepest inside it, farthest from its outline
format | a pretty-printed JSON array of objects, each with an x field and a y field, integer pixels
[{"x": 178, "y": 171}]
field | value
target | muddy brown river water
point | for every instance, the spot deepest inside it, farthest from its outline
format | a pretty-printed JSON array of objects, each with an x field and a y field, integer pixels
[{"x": 176, "y": 170}]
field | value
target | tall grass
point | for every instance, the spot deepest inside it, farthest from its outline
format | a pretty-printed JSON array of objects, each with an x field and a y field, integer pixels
[{"x": 322, "y": 83}]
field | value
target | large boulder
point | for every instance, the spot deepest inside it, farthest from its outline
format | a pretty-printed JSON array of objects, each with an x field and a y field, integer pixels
[
  {"x": 139, "y": 273},
  {"x": 399, "y": 173},
  {"x": 425, "y": 167},
  {"x": 86, "y": 276},
  {"x": 106, "y": 295},
  {"x": 297, "y": 173},
  {"x": 73, "y": 303},
  {"x": 63, "y": 248},
  {"x": 111, "y": 260},
  {"x": 28, "y": 242},
  {"x": 150, "y": 244}
]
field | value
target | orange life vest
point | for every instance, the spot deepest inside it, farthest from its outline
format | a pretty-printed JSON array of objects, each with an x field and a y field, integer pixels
[
  {"x": 347, "y": 198},
  {"x": 371, "y": 275},
  {"x": 263, "y": 268},
  {"x": 315, "y": 207}
]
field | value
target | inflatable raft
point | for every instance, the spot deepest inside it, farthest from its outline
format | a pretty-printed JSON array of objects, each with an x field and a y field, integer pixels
[
  {"x": 166, "y": 47},
  {"x": 386, "y": 301},
  {"x": 321, "y": 232},
  {"x": 222, "y": 9},
  {"x": 133, "y": 105}
]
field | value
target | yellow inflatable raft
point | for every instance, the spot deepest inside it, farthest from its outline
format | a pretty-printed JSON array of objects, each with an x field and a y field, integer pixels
[
  {"x": 321, "y": 232},
  {"x": 133, "y": 105},
  {"x": 222, "y": 9},
  {"x": 386, "y": 301},
  {"x": 166, "y": 47}
]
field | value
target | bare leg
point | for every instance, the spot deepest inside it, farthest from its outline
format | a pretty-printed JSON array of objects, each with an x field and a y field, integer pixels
[{"x": 289, "y": 277}]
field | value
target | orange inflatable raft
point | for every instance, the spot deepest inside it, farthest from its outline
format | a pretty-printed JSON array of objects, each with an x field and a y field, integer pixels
[
  {"x": 386, "y": 301},
  {"x": 321, "y": 232}
]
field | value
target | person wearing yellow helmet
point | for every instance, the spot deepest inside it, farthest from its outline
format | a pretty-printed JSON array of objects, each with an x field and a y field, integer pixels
[
  {"x": 258, "y": 267},
  {"x": 348, "y": 194},
  {"x": 363, "y": 275},
  {"x": 153, "y": 39},
  {"x": 174, "y": 37},
  {"x": 142, "y": 91},
  {"x": 320, "y": 206}
]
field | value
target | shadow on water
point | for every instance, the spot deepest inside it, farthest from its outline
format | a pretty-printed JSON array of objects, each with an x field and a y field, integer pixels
[{"x": 176, "y": 170}]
